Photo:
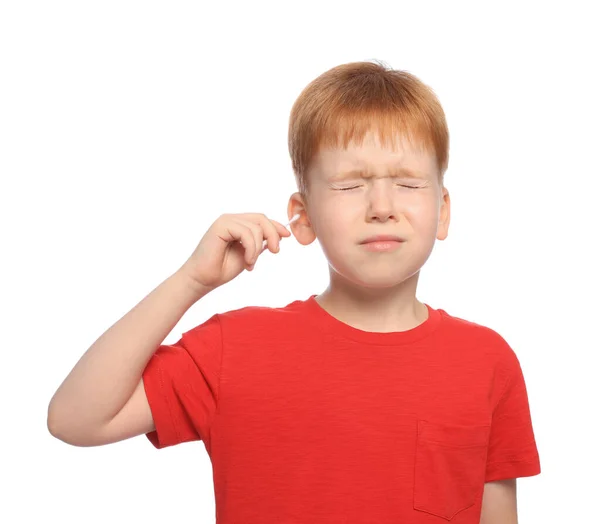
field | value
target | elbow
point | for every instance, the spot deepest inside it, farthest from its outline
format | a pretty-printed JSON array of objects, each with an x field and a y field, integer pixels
[
  {"x": 54, "y": 426},
  {"x": 72, "y": 432},
  {"x": 59, "y": 430},
  {"x": 51, "y": 421}
]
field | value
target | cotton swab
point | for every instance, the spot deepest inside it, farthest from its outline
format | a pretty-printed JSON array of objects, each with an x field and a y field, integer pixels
[{"x": 294, "y": 218}]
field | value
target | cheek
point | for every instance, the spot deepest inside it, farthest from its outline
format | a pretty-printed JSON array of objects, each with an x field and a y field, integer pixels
[
  {"x": 426, "y": 229},
  {"x": 333, "y": 217},
  {"x": 423, "y": 213}
]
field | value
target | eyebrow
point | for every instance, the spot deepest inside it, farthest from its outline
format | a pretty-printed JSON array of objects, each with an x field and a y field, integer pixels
[{"x": 365, "y": 173}]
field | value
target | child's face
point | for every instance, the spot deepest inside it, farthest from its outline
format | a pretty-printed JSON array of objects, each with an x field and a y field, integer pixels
[{"x": 379, "y": 199}]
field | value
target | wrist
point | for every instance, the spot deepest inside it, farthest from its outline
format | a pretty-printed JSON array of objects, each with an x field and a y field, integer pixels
[{"x": 195, "y": 289}]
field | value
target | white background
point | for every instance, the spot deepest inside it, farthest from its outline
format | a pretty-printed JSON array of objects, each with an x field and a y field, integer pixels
[{"x": 127, "y": 127}]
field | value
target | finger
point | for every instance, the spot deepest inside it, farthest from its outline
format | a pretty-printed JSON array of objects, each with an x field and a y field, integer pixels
[
  {"x": 281, "y": 228},
  {"x": 262, "y": 218},
  {"x": 257, "y": 234},
  {"x": 273, "y": 232},
  {"x": 269, "y": 235},
  {"x": 245, "y": 236}
]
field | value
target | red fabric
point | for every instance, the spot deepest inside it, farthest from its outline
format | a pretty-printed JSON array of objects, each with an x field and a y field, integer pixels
[{"x": 309, "y": 420}]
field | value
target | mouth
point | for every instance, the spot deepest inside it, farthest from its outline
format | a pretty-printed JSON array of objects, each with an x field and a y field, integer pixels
[
  {"x": 382, "y": 239},
  {"x": 378, "y": 244}
]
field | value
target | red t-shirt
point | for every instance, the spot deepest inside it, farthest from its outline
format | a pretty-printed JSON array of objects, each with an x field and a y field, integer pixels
[{"x": 309, "y": 420}]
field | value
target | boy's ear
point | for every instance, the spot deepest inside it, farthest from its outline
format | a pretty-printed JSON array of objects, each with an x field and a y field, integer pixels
[
  {"x": 302, "y": 228},
  {"x": 444, "y": 219}
]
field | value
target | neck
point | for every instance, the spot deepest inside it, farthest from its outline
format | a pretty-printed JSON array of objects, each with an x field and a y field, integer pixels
[{"x": 378, "y": 310}]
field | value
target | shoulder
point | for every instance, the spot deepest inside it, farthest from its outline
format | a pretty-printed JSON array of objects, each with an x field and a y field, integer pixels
[
  {"x": 482, "y": 339},
  {"x": 251, "y": 320},
  {"x": 252, "y": 313}
]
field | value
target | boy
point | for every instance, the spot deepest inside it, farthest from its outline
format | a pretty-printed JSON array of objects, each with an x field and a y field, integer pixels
[{"x": 359, "y": 405}]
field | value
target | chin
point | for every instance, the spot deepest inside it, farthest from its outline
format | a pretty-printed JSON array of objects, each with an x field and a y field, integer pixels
[{"x": 382, "y": 275}]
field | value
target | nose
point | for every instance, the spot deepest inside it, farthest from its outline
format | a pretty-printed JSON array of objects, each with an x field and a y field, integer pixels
[{"x": 381, "y": 202}]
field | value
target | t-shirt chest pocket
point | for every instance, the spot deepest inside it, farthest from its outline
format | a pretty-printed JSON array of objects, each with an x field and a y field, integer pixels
[{"x": 450, "y": 464}]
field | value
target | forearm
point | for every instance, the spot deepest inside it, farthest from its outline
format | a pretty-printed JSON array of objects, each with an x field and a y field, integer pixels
[{"x": 105, "y": 377}]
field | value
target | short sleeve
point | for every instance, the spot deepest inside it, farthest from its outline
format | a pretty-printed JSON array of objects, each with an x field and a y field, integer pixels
[
  {"x": 512, "y": 451},
  {"x": 181, "y": 381}
]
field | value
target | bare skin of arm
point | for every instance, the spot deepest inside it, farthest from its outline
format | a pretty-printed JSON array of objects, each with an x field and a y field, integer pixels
[
  {"x": 499, "y": 504},
  {"x": 102, "y": 400}
]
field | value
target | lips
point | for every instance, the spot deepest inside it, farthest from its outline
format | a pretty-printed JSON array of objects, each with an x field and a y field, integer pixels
[{"x": 383, "y": 238}]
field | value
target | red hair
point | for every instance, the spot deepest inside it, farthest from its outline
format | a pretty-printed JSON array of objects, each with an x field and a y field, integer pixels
[{"x": 344, "y": 103}]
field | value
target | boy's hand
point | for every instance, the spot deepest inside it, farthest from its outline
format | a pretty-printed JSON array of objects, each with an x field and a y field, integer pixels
[{"x": 232, "y": 243}]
